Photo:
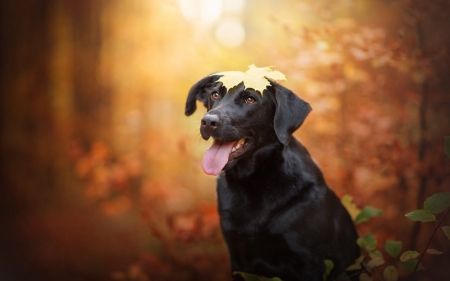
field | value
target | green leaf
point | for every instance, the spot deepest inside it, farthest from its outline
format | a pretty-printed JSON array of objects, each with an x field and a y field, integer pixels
[
  {"x": 420, "y": 215},
  {"x": 352, "y": 209},
  {"x": 365, "y": 277},
  {"x": 447, "y": 146},
  {"x": 356, "y": 265},
  {"x": 438, "y": 202},
  {"x": 329, "y": 265},
  {"x": 367, "y": 213},
  {"x": 390, "y": 273},
  {"x": 407, "y": 255},
  {"x": 375, "y": 255},
  {"x": 253, "y": 277},
  {"x": 410, "y": 264},
  {"x": 393, "y": 248},
  {"x": 434, "y": 252},
  {"x": 446, "y": 230},
  {"x": 368, "y": 242},
  {"x": 375, "y": 262}
]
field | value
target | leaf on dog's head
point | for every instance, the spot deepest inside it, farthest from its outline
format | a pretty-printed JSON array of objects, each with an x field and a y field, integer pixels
[{"x": 254, "y": 77}]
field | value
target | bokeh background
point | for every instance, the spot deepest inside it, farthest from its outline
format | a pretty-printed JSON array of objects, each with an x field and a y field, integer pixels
[{"x": 100, "y": 169}]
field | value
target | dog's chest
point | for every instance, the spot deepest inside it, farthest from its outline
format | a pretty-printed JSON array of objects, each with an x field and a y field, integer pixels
[
  {"x": 248, "y": 224},
  {"x": 249, "y": 214}
]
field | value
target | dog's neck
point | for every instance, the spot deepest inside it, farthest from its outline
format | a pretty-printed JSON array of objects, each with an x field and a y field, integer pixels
[{"x": 257, "y": 163}]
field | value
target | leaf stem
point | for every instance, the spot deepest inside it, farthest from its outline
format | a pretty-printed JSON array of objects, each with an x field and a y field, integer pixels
[{"x": 429, "y": 240}]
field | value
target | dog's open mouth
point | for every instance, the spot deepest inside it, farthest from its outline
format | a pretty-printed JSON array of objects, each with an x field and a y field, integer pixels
[{"x": 221, "y": 153}]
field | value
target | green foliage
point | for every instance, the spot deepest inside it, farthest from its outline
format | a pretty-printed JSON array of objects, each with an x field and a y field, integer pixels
[
  {"x": 409, "y": 260},
  {"x": 447, "y": 146},
  {"x": 367, "y": 242},
  {"x": 421, "y": 215},
  {"x": 253, "y": 277},
  {"x": 410, "y": 265},
  {"x": 438, "y": 202},
  {"x": 376, "y": 259},
  {"x": 375, "y": 254},
  {"x": 393, "y": 248},
  {"x": 329, "y": 265},
  {"x": 365, "y": 277},
  {"x": 367, "y": 213},
  {"x": 446, "y": 230},
  {"x": 407, "y": 255},
  {"x": 356, "y": 265},
  {"x": 390, "y": 273},
  {"x": 375, "y": 262}
]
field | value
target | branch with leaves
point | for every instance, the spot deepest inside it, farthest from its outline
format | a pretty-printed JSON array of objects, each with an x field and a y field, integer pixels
[{"x": 410, "y": 260}]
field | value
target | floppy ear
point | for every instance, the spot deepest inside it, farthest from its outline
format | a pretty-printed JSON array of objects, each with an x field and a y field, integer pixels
[
  {"x": 290, "y": 112},
  {"x": 201, "y": 91}
]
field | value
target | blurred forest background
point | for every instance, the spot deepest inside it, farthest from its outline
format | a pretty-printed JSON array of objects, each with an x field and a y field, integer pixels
[{"x": 100, "y": 170}]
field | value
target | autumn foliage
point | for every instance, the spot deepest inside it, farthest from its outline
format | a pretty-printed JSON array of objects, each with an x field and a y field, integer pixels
[{"x": 100, "y": 169}]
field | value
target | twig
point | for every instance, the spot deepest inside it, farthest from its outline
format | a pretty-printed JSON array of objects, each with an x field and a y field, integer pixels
[
  {"x": 423, "y": 131},
  {"x": 429, "y": 240}
]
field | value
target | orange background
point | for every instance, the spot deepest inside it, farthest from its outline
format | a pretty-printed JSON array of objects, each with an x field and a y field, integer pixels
[{"x": 100, "y": 169}]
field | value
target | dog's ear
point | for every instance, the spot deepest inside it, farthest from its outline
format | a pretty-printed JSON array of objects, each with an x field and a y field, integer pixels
[
  {"x": 201, "y": 91},
  {"x": 290, "y": 112}
]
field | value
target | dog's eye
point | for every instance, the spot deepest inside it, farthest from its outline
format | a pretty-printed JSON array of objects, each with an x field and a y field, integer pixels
[
  {"x": 249, "y": 100},
  {"x": 215, "y": 95}
]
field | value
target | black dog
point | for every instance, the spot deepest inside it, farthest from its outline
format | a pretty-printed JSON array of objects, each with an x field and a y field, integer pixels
[{"x": 278, "y": 216}]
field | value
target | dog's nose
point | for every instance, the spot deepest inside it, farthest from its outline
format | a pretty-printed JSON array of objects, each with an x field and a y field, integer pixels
[{"x": 210, "y": 122}]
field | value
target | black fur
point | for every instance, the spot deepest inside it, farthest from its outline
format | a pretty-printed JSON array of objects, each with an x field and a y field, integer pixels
[{"x": 278, "y": 216}]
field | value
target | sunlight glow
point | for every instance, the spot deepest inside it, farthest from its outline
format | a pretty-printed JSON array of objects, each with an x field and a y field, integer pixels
[
  {"x": 202, "y": 11},
  {"x": 233, "y": 6},
  {"x": 322, "y": 45},
  {"x": 230, "y": 33}
]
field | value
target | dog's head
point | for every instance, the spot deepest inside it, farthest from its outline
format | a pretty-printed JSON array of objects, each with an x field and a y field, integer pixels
[{"x": 242, "y": 121}]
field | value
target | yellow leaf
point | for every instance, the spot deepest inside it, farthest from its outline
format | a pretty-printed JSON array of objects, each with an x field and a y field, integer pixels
[
  {"x": 254, "y": 77},
  {"x": 351, "y": 207},
  {"x": 356, "y": 265}
]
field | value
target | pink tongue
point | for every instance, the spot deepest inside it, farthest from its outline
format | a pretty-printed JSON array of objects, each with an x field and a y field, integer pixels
[{"x": 216, "y": 157}]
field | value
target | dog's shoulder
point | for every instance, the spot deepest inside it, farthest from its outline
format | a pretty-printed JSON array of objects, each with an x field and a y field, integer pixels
[{"x": 299, "y": 164}]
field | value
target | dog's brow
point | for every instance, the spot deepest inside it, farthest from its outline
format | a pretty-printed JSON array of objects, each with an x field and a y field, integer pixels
[
  {"x": 239, "y": 92},
  {"x": 236, "y": 90}
]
